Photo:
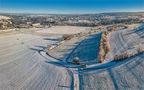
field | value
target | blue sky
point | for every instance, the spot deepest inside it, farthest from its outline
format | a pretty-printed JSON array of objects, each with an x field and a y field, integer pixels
[{"x": 70, "y": 6}]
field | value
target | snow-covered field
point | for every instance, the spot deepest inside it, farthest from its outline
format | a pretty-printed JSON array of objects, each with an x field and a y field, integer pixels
[
  {"x": 118, "y": 75},
  {"x": 25, "y": 66},
  {"x": 123, "y": 75},
  {"x": 127, "y": 40},
  {"x": 64, "y": 30},
  {"x": 22, "y": 67}
]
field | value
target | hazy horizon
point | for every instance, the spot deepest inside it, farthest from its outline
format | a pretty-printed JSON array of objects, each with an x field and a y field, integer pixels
[{"x": 69, "y": 13}]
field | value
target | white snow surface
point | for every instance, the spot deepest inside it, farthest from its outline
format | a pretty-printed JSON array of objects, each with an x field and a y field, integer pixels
[
  {"x": 118, "y": 75},
  {"x": 22, "y": 67}
]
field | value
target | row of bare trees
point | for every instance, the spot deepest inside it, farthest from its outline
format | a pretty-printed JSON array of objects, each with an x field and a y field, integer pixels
[
  {"x": 104, "y": 47},
  {"x": 128, "y": 54}
]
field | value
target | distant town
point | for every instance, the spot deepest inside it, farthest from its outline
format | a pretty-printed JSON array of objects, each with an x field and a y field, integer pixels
[{"x": 10, "y": 21}]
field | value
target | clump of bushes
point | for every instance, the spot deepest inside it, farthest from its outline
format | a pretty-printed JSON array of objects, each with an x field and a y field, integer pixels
[
  {"x": 123, "y": 55},
  {"x": 104, "y": 47},
  {"x": 76, "y": 61},
  {"x": 140, "y": 50},
  {"x": 127, "y": 54},
  {"x": 67, "y": 37}
]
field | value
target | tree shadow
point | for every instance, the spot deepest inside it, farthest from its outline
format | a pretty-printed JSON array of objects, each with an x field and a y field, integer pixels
[
  {"x": 113, "y": 79},
  {"x": 139, "y": 31},
  {"x": 43, "y": 47},
  {"x": 35, "y": 49},
  {"x": 86, "y": 50}
]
